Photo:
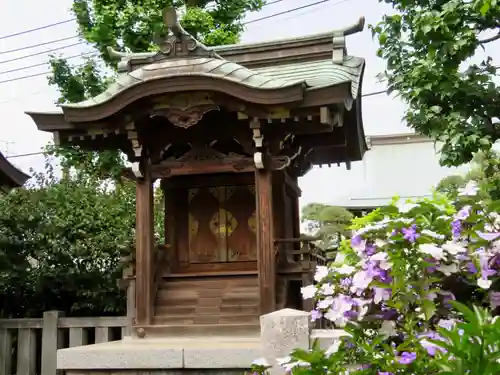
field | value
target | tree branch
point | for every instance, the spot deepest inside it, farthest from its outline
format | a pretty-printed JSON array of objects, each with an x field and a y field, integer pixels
[{"x": 488, "y": 40}]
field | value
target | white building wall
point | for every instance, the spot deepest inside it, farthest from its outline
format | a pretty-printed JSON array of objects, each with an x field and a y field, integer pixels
[{"x": 409, "y": 169}]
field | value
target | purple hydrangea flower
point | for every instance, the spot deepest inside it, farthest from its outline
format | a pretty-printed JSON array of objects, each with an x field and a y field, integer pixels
[
  {"x": 351, "y": 314},
  {"x": 456, "y": 228},
  {"x": 356, "y": 240},
  {"x": 432, "y": 268},
  {"x": 488, "y": 236},
  {"x": 430, "y": 347},
  {"x": 407, "y": 358},
  {"x": 471, "y": 268},
  {"x": 370, "y": 249},
  {"x": 410, "y": 234},
  {"x": 486, "y": 271},
  {"x": 346, "y": 282},
  {"x": 315, "y": 315},
  {"x": 463, "y": 213},
  {"x": 494, "y": 299},
  {"x": 385, "y": 373},
  {"x": 447, "y": 297}
]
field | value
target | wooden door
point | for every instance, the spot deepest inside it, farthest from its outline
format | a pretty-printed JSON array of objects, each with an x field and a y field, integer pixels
[{"x": 220, "y": 230}]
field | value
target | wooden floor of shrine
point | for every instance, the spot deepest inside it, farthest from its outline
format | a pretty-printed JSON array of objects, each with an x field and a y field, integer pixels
[{"x": 220, "y": 302}]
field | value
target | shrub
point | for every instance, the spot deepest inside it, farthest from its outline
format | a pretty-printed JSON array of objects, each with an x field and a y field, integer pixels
[{"x": 392, "y": 286}]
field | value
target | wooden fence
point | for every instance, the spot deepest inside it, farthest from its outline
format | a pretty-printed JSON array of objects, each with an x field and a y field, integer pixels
[{"x": 29, "y": 346}]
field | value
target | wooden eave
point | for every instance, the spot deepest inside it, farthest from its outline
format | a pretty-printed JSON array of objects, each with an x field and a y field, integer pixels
[
  {"x": 78, "y": 119},
  {"x": 184, "y": 83},
  {"x": 299, "y": 78},
  {"x": 10, "y": 176}
]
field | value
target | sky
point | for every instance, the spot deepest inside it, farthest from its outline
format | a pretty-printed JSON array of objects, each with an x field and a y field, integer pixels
[{"x": 381, "y": 114}]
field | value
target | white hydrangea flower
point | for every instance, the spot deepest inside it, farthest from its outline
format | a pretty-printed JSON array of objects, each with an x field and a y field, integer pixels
[
  {"x": 433, "y": 250},
  {"x": 260, "y": 362},
  {"x": 470, "y": 189},
  {"x": 308, "y": 292},
  {"x": 344, "y": 269},
  {"x": 448, "y": 269},
  {"x": 321, "y": 273},
  {"x": 454, "y": 248}
]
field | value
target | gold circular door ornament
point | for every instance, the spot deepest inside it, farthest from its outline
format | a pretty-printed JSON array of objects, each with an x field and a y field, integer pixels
[
  {"x": 223, "y": 223},
  {"x": 252, "y": 222}
]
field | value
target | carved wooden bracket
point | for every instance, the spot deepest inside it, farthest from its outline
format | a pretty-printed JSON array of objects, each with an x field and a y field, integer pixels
[
  {"x": 201, "y": 159},
  {"x": 185, "y": 110}
]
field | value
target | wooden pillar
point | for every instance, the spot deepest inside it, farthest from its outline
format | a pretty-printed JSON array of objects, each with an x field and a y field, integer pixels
[
  {"x": 296, "y": 214},
  {"x": 144, "y": 237},
  {"x": 170, "y": 227},
  {"x": 266, "y": 260},
  {"x": 278, "y": 194}
]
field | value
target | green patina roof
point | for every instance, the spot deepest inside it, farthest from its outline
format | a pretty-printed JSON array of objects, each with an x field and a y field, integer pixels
[
  {"x": 181, "y": 55},
  {"x": 317, "y": 74},
  {"x": 311, "y": 74}
]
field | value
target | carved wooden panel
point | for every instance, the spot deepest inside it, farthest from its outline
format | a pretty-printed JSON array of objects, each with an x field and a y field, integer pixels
[
  {"x": 221, "y": 224},
  {"x": 242, "y": 240},
  {"x": 205, "y": 246}
]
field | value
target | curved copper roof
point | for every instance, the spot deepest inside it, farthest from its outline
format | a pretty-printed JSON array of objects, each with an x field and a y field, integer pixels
[
  {"x": 271, "y": 85},
  {"x": 10, "y": 176}
]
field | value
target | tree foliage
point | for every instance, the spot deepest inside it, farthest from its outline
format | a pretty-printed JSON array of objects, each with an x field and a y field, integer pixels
[
  {"x": 62, "y": 240},
  {"x": 134, "y": 26},
  {"x": 63, "y": 244},
  {"x": 428, "y": 46},
  {"x": 485, "y": 169},
  {"x": 329, "y": 222},
  {"x": 57, "y": 239}
]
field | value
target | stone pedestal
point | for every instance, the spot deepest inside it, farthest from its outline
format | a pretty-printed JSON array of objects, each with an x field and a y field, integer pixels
[
  {"x": 281, "y": 332},
  {"x": 161, "y": 356}
]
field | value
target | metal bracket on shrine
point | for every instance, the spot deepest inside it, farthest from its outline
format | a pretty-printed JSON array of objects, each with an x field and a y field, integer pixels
[
  {"x": 258, "y": 138},
  {"x": 137, "y": 147}
]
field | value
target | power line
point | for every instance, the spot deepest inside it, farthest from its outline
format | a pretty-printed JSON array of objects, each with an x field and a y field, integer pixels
[
  {"x": 32, "y": 75},
  {"x": 23, "y": 155},
  {"x": 44, "y": 63},
  {"x": 313, "y": 10},
  {"x": 41, "y": 152},
  {"x": 40, "y": 53},
  {"x": 36, "y": 29},
  {"x": 245, "y": 23},
  {"x": 287, "y": 11},
  {"x": 60, "y": 40},
  {"x": 38, "y": 45}
]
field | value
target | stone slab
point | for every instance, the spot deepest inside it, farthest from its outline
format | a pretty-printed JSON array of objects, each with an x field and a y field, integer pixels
[
  {"x": 173, "y": 353},
  {"x": 220, "y": 358},
  {"x": 122, "y": 354},
  {"x": 160, "y": 372}
]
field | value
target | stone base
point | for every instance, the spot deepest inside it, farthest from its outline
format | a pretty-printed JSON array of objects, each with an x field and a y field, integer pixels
[
  {"x": 159, "y": 372},
  {"x": 192, "y": 355}
]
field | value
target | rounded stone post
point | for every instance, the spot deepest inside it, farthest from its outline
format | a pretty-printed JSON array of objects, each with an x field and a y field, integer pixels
[{"x": 281, "y": 332}]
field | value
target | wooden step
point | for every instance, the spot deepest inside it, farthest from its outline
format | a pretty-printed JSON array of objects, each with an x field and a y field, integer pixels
[
  {"x": 223, "y": 309},
  {"x": 240, "y": 329},
  {"x": 207, "y": 282},
  {"x": 207, "y": 300},
  {"x": 205, "y": 319}
]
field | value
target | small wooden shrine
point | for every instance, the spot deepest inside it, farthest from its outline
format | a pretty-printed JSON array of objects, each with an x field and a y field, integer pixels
[
  {"x": 228, "y": 131},
  {"x": 10, "y": 176}
]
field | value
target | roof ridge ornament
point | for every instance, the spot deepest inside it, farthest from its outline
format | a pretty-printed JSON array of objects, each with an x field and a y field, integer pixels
[
  {"x": 179, "y": 43},
  {"x": 339, "y": 46}
]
